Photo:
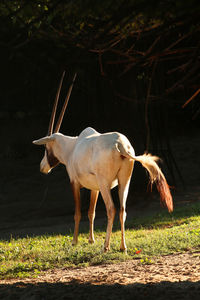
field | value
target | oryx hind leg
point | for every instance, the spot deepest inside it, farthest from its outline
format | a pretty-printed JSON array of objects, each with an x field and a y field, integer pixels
[
  {"x": 124, "y": 177},
  {"x": 91, "y": 213},
  {"x": 110, "y": 208}
]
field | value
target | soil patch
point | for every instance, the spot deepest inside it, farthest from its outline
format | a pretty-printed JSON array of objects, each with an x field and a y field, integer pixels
[{"x": 168, "y": 277}]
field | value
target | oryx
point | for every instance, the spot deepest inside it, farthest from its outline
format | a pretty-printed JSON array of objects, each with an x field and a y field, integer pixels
[{"x": 98, "y": 162}]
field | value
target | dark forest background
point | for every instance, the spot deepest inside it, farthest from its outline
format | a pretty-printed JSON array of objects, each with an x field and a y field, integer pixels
[{"x": 138, "y": 66}]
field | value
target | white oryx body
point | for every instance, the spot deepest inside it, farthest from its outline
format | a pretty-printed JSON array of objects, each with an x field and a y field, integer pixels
[{"x": 99, "y": 162}]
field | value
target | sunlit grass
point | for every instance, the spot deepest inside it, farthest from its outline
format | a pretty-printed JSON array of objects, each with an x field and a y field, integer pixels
[{"x": 146, "y": 238}]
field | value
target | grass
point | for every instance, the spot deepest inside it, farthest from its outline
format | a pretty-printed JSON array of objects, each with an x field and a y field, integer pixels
[{"x": 146, "y": 238}]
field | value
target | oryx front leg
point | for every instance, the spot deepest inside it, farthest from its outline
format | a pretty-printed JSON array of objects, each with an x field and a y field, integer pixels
[
  {"x": 77, "y": 215},
  {"x": 110, "y": 208},
  {"x": 124, "y": 177},
  {"x": 91, "y": 213}
]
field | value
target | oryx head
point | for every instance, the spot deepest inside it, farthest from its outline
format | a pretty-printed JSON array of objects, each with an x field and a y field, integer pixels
[{"x": 49, "y": 160}]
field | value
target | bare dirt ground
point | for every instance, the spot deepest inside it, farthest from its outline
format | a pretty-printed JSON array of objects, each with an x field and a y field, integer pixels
[{"x": 168, "y": 277}]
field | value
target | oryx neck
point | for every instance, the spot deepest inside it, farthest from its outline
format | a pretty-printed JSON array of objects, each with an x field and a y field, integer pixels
[{"x": 63, "y": 147}]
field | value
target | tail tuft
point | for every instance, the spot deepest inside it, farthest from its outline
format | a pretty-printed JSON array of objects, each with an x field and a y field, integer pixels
[
  {"x": 165, "y": 194},
  {"x": 149, "y": 162}
]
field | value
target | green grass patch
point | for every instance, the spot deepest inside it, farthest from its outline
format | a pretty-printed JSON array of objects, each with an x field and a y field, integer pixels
[{"x": 146, "y": 238}]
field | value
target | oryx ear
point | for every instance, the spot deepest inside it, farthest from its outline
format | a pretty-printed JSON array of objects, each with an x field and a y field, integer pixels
[{"x": 44, "y": 140}]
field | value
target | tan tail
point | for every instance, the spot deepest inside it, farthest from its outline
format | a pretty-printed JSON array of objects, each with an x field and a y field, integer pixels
[{"x": 149, "y": 162}]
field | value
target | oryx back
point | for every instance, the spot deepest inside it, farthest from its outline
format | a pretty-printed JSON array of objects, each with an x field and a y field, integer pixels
[{"x": 96, "y": 155}]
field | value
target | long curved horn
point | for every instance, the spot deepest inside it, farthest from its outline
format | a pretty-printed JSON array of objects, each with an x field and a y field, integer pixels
[
  {"x": 57, "y": 128},
  {"x": 53, "y": 114}
]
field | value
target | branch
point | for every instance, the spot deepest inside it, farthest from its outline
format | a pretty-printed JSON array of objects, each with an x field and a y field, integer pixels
[
  {"x": 183, "y": 79},
  {"x": 191, "y": 98},
  {"x": 181, "y": 67}
]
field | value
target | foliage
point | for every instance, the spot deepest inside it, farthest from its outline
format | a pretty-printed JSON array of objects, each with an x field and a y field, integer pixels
[
  {"x": 137, "y": 38},
  {"x": 30, "y": 256}
]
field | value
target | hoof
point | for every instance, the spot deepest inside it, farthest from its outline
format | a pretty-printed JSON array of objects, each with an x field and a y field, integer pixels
[
  {"x": 106, "y": 249},
  {"x": 74, "y": 243},
  {"x": 124, "y": 250},
  {"x": 91, "y": 241}
]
